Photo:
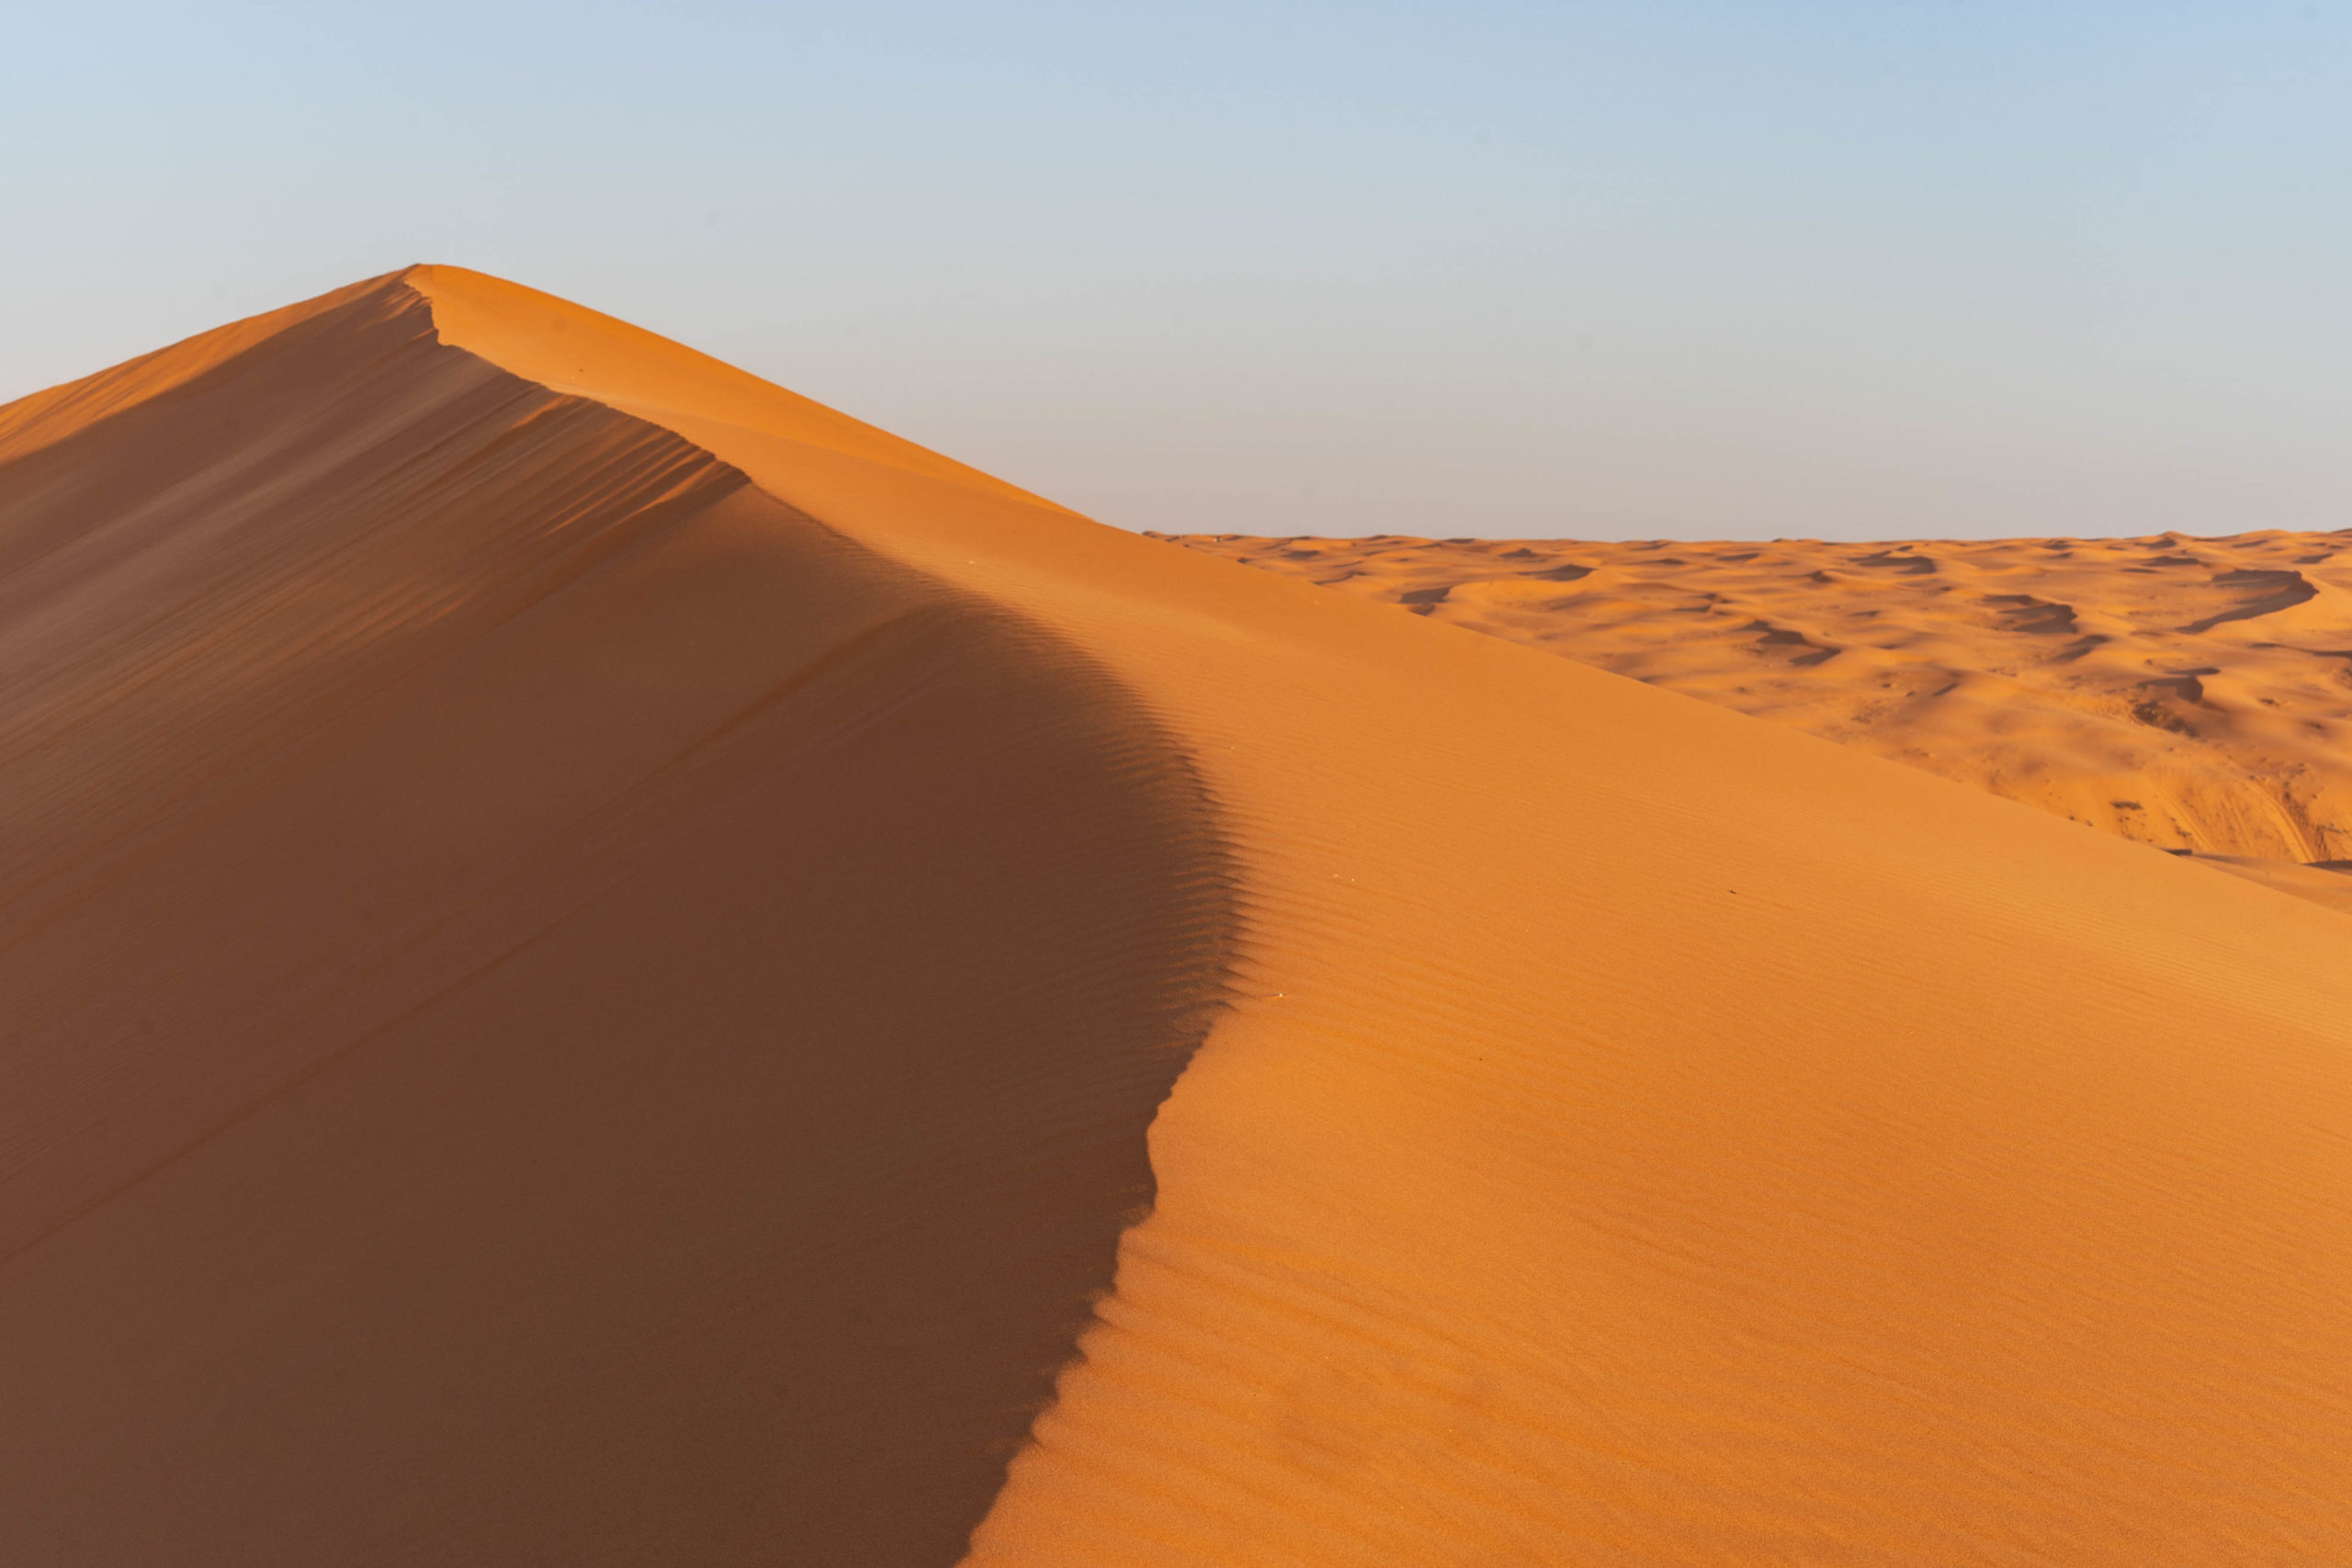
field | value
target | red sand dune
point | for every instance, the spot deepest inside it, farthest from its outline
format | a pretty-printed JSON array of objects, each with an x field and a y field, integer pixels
[{"x": 606, "y": 965}]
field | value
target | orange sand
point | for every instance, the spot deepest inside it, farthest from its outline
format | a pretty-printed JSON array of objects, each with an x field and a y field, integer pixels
[{"x": 605, "y": 965}]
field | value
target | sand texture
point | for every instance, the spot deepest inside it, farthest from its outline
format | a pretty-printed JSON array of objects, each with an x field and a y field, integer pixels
[{"x": 604, "y": 965}]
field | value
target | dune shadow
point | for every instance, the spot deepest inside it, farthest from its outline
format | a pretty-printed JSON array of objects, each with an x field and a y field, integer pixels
[{"x": 602, "y": 1123}]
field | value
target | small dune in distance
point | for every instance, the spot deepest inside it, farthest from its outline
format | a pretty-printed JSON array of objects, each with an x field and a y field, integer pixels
[{"x": 603, "y": 965}]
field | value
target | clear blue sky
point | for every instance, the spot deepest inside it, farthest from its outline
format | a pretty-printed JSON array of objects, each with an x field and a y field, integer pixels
[{"x": 1615, "y": 269}]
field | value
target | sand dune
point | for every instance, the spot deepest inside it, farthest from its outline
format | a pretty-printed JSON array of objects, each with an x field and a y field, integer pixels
[
  {"x": 607, "y": 966},
  {"x": 2189, "y": 692}
]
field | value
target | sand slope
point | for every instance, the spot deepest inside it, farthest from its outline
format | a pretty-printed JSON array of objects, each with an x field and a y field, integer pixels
[
  {"x": 597, "y": 951},
  {"x": 2193, "y": 693}
]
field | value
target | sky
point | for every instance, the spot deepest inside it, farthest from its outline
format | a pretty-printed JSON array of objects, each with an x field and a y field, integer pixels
[{"x": 1607, "y": 270}]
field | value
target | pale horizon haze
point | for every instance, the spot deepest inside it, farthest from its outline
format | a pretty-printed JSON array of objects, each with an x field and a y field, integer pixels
[{"x": 1609, "y": 270}]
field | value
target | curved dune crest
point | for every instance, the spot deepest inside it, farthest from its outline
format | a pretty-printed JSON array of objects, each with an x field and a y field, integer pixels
[{"x": 596, "y": 951}]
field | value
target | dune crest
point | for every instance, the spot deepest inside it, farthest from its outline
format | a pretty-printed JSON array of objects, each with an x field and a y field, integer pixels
[{"x": 612, "y": 966}]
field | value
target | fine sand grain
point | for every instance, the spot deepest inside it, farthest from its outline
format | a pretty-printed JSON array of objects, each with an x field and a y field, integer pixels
[{"x": 605, "y": 965}]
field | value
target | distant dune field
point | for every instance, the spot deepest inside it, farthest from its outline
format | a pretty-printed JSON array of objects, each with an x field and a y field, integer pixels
[
  {"x": 602, "y": 965},
  {"x": 2193, "y": 693}
]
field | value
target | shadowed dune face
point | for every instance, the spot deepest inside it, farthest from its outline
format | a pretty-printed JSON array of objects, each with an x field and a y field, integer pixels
[
  {"x": 555, "y": 1009},
  {"x": 2190, "y": 693}
]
